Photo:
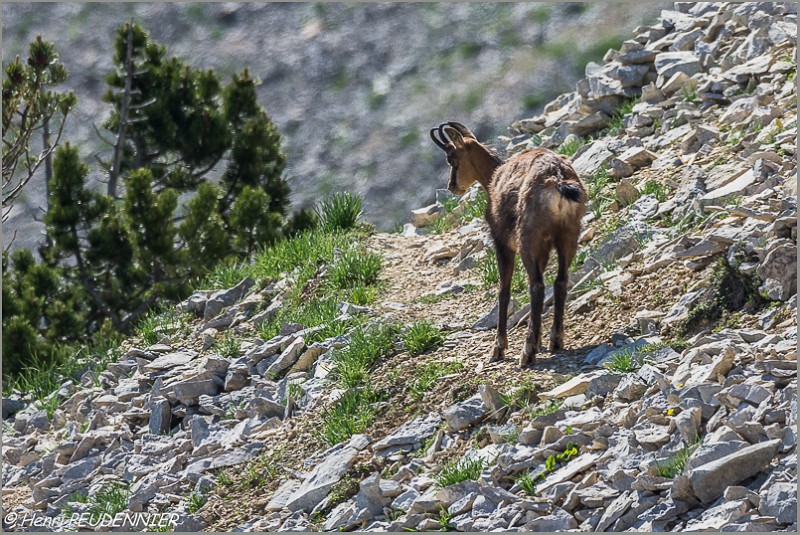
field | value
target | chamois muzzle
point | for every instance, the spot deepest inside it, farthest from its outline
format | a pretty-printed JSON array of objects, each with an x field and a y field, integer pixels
[{"x": 452, "y": 186}]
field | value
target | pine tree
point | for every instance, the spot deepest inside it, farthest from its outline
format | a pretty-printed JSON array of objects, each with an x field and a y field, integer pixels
[
  {"x": 203, "y": 230},
  {"x": 30, "y": 105},
  {"x": 182, "y": 123},
  {"x": 252, "y": 221},
  {"x": 180, "y": 133},
  {"x": 40, "y": 308}
]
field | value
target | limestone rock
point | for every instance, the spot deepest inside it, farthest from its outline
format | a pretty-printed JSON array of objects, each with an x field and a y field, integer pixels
[
  {"x": 324, "y": 476},
  {"x": 779, "y": 500},
  {"x": 465, "y": 413},
  {"x": 710, "y": 480},
  {"x": 778, "y": 272},
  {"x": 422, "y": 217}
]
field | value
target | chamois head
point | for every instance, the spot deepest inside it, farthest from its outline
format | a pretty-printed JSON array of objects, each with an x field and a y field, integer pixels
[{"x": 469, "y": 160}]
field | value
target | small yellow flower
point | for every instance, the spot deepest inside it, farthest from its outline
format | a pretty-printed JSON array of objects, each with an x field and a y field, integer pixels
[{"x": 670, "y": 412}]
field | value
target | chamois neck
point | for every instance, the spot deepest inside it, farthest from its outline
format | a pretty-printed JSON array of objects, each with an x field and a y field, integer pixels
[{"x": 486, "y": 163}]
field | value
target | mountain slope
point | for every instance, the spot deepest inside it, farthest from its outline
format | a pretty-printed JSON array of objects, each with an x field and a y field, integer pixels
[{"x": 353, "y": 88}]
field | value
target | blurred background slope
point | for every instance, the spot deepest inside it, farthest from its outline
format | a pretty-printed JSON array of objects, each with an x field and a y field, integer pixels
[{"x": 353, "y": 88}]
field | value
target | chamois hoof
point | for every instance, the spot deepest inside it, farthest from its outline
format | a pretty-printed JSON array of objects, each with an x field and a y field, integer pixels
[
  {"x": 526, "y": 361},
  {"x": 556, "y": 345},
  {"x": 498, "y": 354}
]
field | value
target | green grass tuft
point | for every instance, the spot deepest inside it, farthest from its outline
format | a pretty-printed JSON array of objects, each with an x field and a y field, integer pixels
[
  {"x": 527, "y": 483},
  {"x": 112, "y": 498},
  {"x": 156, "y": 325},
  {"x": 422, "y": 336},
  {"x": 362, "y": 295},
  {"x": 599, "y": 197},
  {"x": 228, "y": 346},
  {"x": 659, "y": 191},
  {"x": 317, "y": 311},
  {"x": 366, "y": 346},
  {"x": 196, "y": 501},
  {"x": 475, "y": 209},
  {"x": 226, "y": 275},
  {"x": 340, "y": 212},
  {"x": 458, "y": 471},
  {"x": 689, "y": 92},
  {"x": 570, "y": 146},
  {"x": 355, "y": 268},
  {"x": 351, "y": 414},
  {"x": 615, "y": 126},
  {"x": 674, "y": 465},
  {"x": 520, "y": 396},
  {"x": 623, "y": 362},
  {"x": 426, "y": 376},
  {"x": 549, "y": 407}
]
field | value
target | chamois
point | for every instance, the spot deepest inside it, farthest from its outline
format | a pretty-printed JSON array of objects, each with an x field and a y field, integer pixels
[{"x": 536, "y": 202}]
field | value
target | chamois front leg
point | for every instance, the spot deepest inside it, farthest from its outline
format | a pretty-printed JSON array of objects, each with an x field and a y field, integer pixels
[
  {"x": 535, "y": 268},
  {"x": 505, "y": 267}
]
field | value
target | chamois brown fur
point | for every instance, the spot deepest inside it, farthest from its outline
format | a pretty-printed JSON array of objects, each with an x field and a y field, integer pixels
[{"x": 536, "y": 202}]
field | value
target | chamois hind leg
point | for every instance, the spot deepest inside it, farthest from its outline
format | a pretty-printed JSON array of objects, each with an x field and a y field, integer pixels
[
  {"x": 505, "y": 267},
  {"x": 535, "y": 263},
  {"x": 566, "y": 252}
]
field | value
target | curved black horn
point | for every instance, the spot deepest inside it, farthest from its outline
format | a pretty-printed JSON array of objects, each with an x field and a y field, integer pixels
[
  {"x": 439, "y": 142},
  {"x": 442, "y": 135},
  {"x": 461, "y": 128}
]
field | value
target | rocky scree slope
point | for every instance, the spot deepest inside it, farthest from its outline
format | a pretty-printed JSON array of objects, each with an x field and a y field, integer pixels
[
  {"x": 342, "y": 82},
  {"x": 674, "y": 409}
]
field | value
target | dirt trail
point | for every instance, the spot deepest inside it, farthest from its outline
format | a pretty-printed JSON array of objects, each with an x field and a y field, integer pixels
[{"x": 408, "y": 276}]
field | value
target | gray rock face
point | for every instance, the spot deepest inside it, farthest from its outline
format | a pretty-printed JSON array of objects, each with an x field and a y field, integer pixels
[
  {"x": 324, "y": 476},
  {"x": 619, "y": 243},
  {"x": 11, "y": 406},
  {"x": 465, "y": 414},
  {"x": 710, "y": 480},
  {"x": 410, "y": 434},
  {"x": 287, "y": 358},
  {"x": 779, "y": 500},
  {"x": 668, "y": 63},
  {"x": 160, "y": 417},
  {"x": 190, "y": 390},
  {"x": 559, "y": 520},
  {"x": 778, "y": 272},
  {"x": 719, "y": 196},
  {"x": 237, "y": 378},
  {"x": 196, "y": 302},
  {"x": 598, "y": 353},
  {"x": 171, "y": 360},
  {"x": 592, "y": 159},
  {"x": 225, "y": 298},
  {"x": 422, "y": 217},
  {"x": 80, "y": 469},
  {"x": 264, "y": 408},
  {"x": 603, "y": 384},
  {"x": 190, "y": 524},
  {"x": 283, "y": 494},
  {"x": 489, "y": 320}
]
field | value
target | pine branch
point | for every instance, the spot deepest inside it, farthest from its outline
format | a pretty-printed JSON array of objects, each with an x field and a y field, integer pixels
[{"x": 123, "y": 118}]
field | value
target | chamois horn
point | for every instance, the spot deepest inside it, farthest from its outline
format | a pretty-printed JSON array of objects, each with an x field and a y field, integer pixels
[
  {"x": 438, "y": 137},
  {"x": 462, "y": 129}
]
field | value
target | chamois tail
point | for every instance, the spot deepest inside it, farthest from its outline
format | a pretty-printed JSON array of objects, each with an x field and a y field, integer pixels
[{"x": 571, "y": 191}]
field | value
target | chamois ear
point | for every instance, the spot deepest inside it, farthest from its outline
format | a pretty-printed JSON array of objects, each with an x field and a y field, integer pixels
[{"x": 455, "y": 136}]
